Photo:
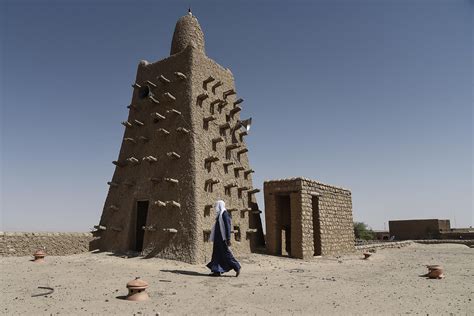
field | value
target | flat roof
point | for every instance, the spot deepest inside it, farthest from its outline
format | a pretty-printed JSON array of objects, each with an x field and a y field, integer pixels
[{"x": 305, "y": 179}]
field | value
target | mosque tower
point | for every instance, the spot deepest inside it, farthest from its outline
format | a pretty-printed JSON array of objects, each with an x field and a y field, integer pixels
[{"x": 183, "y": 149}]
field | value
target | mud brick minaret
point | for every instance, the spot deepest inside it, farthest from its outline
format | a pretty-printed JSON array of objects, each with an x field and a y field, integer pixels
[{"x": 183, "y": 149}]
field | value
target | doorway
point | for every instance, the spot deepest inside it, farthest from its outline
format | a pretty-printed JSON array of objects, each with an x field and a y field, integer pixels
[
  {"x": 283, "y": 212},
  {"x": 142, "y": 213},
  {"x": 316, "y": 226}
]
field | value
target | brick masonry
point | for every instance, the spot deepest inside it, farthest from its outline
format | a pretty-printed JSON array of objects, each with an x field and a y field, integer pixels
[
  {"x": 330, "y": 233},
  {"x": 55, "y": 244}
]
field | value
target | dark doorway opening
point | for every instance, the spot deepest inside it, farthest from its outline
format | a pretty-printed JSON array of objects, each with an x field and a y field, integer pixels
[
  {"x": 316, "y": 226},
  {"x": 142, "y": 213},
  {"x": 283, "y": 210}
]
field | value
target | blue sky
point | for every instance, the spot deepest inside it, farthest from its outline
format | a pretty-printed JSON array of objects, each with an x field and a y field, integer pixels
[{"x": 374, "y": 96}]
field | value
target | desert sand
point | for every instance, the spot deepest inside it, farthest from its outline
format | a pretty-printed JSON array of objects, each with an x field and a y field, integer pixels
[{"x": 388, "y": 283}]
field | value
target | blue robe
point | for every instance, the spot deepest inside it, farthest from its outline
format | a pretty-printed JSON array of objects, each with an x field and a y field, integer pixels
[{"x": 222, "y": 258}]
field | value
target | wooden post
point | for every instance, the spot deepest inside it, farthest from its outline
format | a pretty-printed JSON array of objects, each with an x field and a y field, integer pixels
[
  {"x": 159, "y": 203},
  {"x": 225, "y": 94},
  {"x": 128, "y": 139},
  {"x": 201, "y": 98},
  {"x": 157, "y": 116},
  {"x": 169, "y": 96},
  {"x": 242, "y": 151},
  {"x": 215, "y": 86},
  {"x": 211, "y": 159},
  {"x": 205, "y": 82},
  {"x": 151, "y": 83},
  {"x": 173, "y": 204},
  {"x": 153, "y": 99},
  {"x": 247, "y": 172},
  {"x": 163, "y": 131},
  {"x": 170, "y": 230},
  {"x": 209, "y": 118},
  {"x": 133, "y": 160},
  {"x": 235, "y": 110},
  {"x": 171, "y": 180},
  {"x": 250, "y": 192},
  {"x": 163, "y": 79},
  {"x": 173, "y": 155},
  {"x": 180, "y": 75},
  {"x": 174, "y": 111},
  {"x": 139, "y": 123},
  {"x": 118, "y": 163},
  {"x": 182, "y": 130},
  {"x": 238, "y": 101}
]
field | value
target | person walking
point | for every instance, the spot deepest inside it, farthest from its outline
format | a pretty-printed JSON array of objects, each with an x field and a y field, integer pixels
[{"x": 222, "y": 258}]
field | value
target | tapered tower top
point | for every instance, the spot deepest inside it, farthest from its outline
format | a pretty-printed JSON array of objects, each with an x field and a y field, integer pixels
[{"x": 187, "y": 32}]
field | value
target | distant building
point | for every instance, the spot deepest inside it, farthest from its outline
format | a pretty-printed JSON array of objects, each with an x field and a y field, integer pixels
[
  {"x": 382, "y": 234},
  {"x": 418, "y": 228}
]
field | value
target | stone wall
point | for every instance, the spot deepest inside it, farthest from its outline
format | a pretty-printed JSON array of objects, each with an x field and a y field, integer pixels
[
  {"x": 321, "y": 217},
  {"x": 55, "y": 244}
]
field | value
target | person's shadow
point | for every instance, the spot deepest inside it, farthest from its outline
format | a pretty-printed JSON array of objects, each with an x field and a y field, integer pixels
[{"x": 192, "y": 273}]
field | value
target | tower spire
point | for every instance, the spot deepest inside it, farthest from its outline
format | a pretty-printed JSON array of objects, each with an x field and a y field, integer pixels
[{"x": 187, "y": 32}]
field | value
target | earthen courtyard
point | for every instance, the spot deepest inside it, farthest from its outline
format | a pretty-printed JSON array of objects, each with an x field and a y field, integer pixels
[{"x": 388, "y": 283}]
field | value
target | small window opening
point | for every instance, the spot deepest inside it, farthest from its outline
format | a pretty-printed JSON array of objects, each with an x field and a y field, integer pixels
[
  {"x": 237, "y": 234},
  {"x": 144, "y": 92}
]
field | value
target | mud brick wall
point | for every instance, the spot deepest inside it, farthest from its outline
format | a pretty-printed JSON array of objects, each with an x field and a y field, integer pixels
[
  {"x": 418, "y": 228},
  {"x": 55, "y": 244},
  {"x": 183, "y": 149},
  {"x": 321, "y": 217}
]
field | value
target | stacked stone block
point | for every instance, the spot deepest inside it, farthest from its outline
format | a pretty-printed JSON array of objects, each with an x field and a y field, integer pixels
[{"x": 335, "y": 224}]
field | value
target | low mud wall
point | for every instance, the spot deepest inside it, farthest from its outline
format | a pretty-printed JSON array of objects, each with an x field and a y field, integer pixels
[
  {"x": 55, "y": 244},
  {"x": 467, "y": 242},
  {"x": 383, "y": 245}
]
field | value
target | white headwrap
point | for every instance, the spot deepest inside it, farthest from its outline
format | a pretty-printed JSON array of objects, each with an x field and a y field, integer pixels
[{"x": 220, "y": 208}]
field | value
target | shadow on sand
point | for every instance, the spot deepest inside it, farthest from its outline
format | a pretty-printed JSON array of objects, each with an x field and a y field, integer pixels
[{"x": 192, "y": 273}]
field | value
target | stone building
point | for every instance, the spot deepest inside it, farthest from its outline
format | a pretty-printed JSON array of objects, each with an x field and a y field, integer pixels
[
  {"x": 183, "y": 148},
  {"x": 305, "y": 218},
  {"x": 418, "y": 228}
]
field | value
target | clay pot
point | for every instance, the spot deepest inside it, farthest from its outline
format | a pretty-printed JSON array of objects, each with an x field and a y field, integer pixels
[
  {"x": 136, "y": 290},
  {"x": 435, "y": 272},
  {"x": 39, "y": 256}
]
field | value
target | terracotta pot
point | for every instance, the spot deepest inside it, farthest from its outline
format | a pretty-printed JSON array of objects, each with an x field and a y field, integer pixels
[
  {"x": 136, "y": 290},
  {"x": 435, "y": 272},
  {"x": 39, "y": 256}
]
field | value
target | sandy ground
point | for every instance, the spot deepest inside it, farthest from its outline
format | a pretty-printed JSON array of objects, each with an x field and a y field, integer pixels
[{"x": 388, "y": 283}]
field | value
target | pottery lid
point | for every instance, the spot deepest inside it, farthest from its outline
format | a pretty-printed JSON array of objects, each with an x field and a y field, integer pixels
[
  {"x": 137, "y": 283},
  {"x": 434, "y": 267},
  {"x": 39, "y": 253}
]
